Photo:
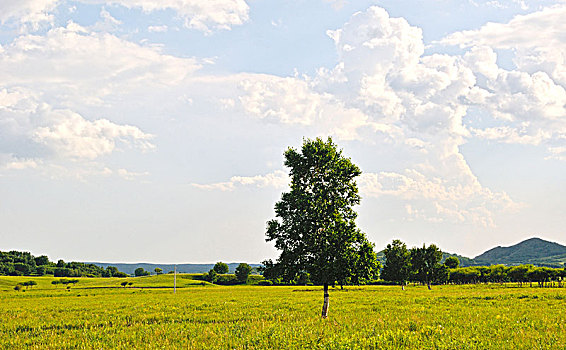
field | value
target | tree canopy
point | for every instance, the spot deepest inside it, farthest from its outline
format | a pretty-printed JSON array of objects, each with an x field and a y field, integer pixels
[
  {"x": 221, "y": 268},
  {"x": 397, "y": 263},
  {"x": 315, "y": 228}
]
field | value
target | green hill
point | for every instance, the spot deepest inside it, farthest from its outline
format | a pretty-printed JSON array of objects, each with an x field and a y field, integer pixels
[{"x": 534, "y": 251}]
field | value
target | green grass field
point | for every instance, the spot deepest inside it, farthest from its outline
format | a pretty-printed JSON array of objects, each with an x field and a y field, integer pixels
[{"x": 98, "y": 313}]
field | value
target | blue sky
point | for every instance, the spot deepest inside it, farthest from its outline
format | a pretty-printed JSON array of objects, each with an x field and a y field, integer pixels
[{"x": 143, "y": 130}]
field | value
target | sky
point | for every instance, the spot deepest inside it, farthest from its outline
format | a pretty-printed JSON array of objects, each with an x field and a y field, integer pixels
[{"x": 154, "y": 130}]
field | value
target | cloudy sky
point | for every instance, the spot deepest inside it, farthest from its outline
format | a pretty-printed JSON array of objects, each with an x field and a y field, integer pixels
[{"x": 154, "y": 130}]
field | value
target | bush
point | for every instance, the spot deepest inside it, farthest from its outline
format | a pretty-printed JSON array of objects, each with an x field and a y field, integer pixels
[{"x": 226, "y": 280}]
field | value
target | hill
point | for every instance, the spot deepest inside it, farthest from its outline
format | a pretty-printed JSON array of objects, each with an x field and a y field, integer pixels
[
  {"x": 129, "y": 268},
  {"x": 534, "y": 251}
]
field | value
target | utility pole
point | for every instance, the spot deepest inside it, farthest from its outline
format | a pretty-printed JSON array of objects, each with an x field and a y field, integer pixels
[{"x": 175, "y": 281}]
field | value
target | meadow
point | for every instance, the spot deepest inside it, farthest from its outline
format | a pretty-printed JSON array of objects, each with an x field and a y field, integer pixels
[{"x": 97, "y": 313}]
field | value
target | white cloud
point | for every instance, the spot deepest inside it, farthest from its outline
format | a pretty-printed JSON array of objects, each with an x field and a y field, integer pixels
[
  {"x": 292, "y": 101},
  {"x": 75, "y": 65},
  {"x": 277, "y": 179},
  {"x": 70, "y": 135},
  {"x": 157, "y": 29},
  {"x": 130, "y": 175},
  {"x": 205, "y": 16},
  {"x": 21, "y": 164},
  {"x": 438, "y": 199},
  {"x": 27, "y": 11},
  {"x": 33, "y": 132},
  {"x": 528, "y": 103},
  {"x": 547, "y": 24}
]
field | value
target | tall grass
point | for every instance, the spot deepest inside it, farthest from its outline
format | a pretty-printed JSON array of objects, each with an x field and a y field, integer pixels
[{"x": 253, "y": 317}]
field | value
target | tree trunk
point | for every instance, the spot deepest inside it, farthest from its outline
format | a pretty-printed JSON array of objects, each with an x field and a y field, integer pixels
[
  {"x": 403, "y": 286},
  {"x": 428, "y": 285},
  {"x": 326, "y": 302}
]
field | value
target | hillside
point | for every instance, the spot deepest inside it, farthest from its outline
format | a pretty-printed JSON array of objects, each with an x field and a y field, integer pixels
[{"x": 534, "y": 251}]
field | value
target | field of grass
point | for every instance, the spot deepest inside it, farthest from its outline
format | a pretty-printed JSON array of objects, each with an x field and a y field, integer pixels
[{"x": 204, "y": 316}]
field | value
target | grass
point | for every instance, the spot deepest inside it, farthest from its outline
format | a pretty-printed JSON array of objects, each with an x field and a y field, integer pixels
[{"x": 253, "y": 317}]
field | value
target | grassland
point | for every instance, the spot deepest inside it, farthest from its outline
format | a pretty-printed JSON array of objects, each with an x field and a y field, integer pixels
[{"x": 100, "y": 314}]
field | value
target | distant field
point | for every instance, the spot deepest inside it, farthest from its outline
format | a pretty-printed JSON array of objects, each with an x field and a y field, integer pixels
[{"x": 204, "y": 316}]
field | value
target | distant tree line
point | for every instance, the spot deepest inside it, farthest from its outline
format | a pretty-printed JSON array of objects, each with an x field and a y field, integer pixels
[
  {"x": 422, "y": 265},
  {"x": 15, "y": 263},
  {"x": 521, "y": 274}
]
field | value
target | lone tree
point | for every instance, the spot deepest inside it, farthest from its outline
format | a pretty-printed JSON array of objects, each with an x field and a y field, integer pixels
[
  {"x": 315, "y": 227},
  {"x": 397, "y": 263},
  {"x": 221, "y": 268},
  {"x": 158, "y": 271}
]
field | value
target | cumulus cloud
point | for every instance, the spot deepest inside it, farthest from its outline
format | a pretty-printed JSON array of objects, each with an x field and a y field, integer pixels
[
  {"x": 528, "y": 103},
  {"x": 402, "y": 99},
  {"x": 70, "y": 135},
  {"x": 32, "y": 133},
  {"x": 292, "y": 101},
  {"x": 544, "y": 51},
  {"x": 27, "y": 11}
]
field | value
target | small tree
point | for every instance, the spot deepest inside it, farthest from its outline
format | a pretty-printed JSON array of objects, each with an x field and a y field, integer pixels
[
  {"x": 397, "y": 263},
  {"x": 140, "y": 272},
  {"x": 452, "y": 262},
  {"x": 158, "y": 271},
  {"x": 124, "y": 284},
  {"x": 242, "y": 272},
  {"x": 221, "y": 268}
]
